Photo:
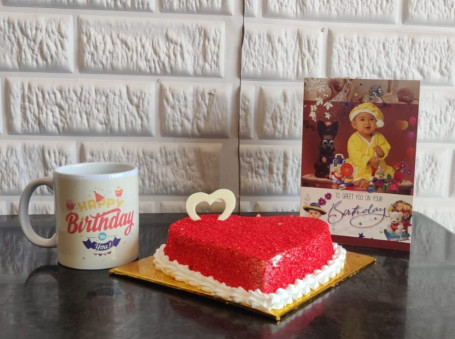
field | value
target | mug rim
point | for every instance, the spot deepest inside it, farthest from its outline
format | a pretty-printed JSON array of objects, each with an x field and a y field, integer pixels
[{"x": 96, "y": 170}]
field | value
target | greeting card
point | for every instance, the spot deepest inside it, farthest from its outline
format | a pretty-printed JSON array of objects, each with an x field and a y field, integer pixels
[{"x": 358, "y": 158}]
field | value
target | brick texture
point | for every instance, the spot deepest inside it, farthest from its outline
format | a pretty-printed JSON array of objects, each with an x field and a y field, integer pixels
[
  {"x": 352, "y": 10},
  {"x": 269, "y": 170},
  {"x": 280, "y": 52},
  {"x": 164, "y": 169},
  {"x": 32, "y": 43},
  {"x": 438, "y": 12},
  {"x": 432, "y": 169},
  {"x": 280, "y": 112},
  {"x": 123, "y": 45},
  {"x": 391, "y": 55},
  {"x": 436, "y": 115},
  {"x": 123, "y": 5},
  {"x": 198, "y": 6},
  {"x": 74, "y": 107},
  {"x": 195, "y": 110},
  {"x": 23, "y": 161}
]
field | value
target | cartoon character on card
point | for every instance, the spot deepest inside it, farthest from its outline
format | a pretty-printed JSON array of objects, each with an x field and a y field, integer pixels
[
  {"x": 327, "y": 132},
  {"x": 396, "y": 223},
  {"x": 314, "y": 210},
  {"x": 397, "y": 230}
]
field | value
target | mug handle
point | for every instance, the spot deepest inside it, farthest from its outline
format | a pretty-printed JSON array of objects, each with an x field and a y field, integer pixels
[{"x": 24, "y": 217}]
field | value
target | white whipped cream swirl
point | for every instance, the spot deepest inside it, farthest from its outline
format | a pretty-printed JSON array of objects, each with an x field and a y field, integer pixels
[{"x": 256, "y": 299}]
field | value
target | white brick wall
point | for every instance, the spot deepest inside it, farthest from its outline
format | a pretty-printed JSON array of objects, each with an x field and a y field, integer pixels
[
  {"x": 206, "y": 94},
  {"x": 75, "y": 107},
  {"x": 124, "y": 5},
  {"x": 152, "y": 46},
  {"x": 37, "y": 43},
  {"x": 154, "y": 83}
]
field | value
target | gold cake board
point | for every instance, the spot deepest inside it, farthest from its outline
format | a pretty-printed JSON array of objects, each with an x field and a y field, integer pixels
[{"x": 144, "y": 269}]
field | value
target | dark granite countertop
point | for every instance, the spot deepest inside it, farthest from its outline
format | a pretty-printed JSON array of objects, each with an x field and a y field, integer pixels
[{"x": 402, "y": 295}]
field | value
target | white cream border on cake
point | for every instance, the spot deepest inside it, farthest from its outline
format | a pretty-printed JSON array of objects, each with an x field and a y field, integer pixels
[{"x": 256, "y": 299}]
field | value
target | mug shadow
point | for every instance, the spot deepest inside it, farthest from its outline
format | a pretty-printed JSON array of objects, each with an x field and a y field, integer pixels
[{"x": 59, "y": 297}]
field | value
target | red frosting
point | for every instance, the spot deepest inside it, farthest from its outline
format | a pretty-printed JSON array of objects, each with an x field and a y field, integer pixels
[{"x": 263, "y": 253}]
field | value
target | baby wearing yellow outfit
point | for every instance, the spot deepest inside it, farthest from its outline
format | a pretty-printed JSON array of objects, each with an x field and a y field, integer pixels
[{"x": 367, "y": 148}]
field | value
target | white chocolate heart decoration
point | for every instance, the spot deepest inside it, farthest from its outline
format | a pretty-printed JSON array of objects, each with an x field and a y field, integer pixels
[{"x": 222, "y": 194}]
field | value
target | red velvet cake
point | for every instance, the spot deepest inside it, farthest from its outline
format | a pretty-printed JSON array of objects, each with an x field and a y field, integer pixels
[{"x": 264, "y": 253}]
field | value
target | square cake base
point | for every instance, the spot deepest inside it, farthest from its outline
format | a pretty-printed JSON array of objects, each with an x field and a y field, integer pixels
[{"x": 144, "y": 269}]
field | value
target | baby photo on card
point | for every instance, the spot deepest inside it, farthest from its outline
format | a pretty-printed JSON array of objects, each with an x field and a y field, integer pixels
[{"x": 358, "y": 158}]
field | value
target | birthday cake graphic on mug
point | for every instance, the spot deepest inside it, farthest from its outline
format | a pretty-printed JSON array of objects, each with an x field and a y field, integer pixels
[{"x": 102, "y": 220}]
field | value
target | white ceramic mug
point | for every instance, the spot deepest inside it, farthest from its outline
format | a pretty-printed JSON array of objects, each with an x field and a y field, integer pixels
[{"x": 96, "y": 212}]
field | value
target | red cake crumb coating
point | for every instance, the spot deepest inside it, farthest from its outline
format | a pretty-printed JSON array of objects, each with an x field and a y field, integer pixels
[{"x": 263, "y": 253}]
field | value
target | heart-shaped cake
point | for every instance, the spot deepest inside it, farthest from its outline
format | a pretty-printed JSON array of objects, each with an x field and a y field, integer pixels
[
  {"x": 244, "y": 254},
  {"x": 263, "y": 253}
]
